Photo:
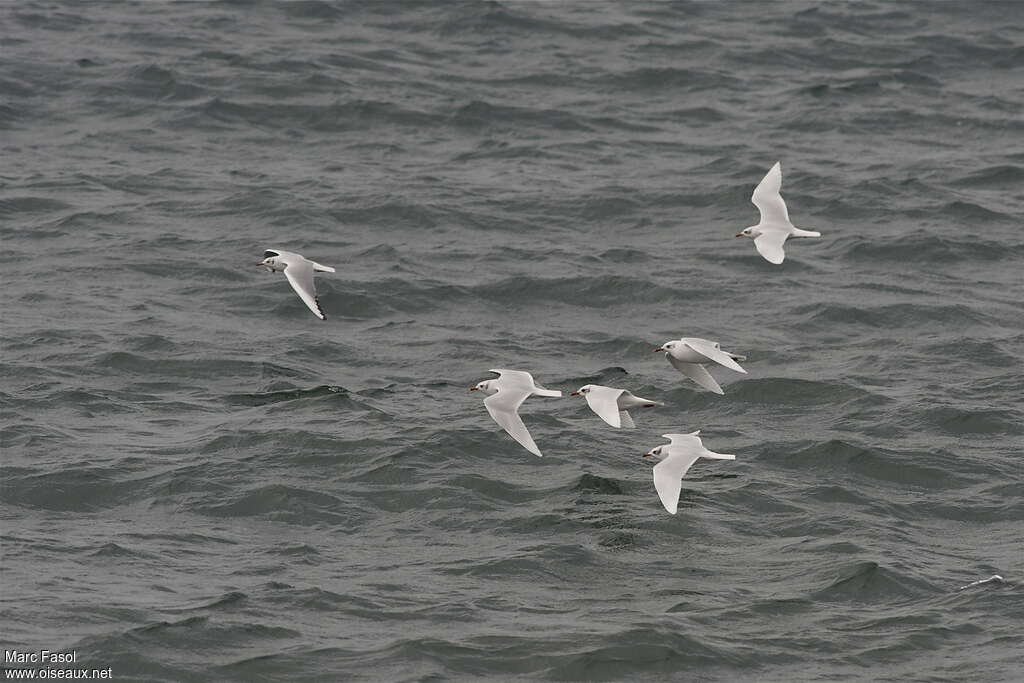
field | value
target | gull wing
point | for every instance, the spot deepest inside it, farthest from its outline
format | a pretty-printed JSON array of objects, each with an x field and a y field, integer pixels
[
  {"x": 684, "y": 440},
  {"x": 769, "y": 244},
  {"x": 697, "y": 373},
  {"x": 712, "y": 352},
  {"x": 299, "y": 272},
  {"x": 515, "y": 377},
  {"x": 628, "y": 401},
  {"x": 604, "y": 402},
  {"x": 626, "y": 420},
  {"x": 322, "y": 268},
  {"x": 504, "y": 408},
  {"x": 668, "y": 478},
  {"x": 521, "y": 378},
  {"x": 691, "y": 444},
  {"x": 767, "y": 199}
]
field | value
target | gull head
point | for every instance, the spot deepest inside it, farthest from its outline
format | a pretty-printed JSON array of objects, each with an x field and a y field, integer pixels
[
  {"x": 667, "y": 346},
  {"x": 583, "y": 391},
  {"x": 272, "y": 261},
  {"x": 488, "y": 386},
  {"x": 653, "y": 452},
  {"x": 752, "y": 231}
]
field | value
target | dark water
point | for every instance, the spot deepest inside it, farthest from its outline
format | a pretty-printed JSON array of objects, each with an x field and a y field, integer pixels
[{"x": 202, "y": 481}]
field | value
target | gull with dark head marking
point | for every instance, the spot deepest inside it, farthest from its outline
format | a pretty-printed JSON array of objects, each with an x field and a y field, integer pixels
[
  {"x": 771, "y": 233},
  {"x": 299, "y": 271},
  {"x": 504, "y": 396},
  {"x": 613, "y": 405},
  {"x": 677, "y": 458},
  {"x": 689, "y": 355}
]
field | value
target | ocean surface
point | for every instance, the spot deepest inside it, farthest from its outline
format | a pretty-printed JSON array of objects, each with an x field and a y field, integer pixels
[{"x": 203, "y": 482}]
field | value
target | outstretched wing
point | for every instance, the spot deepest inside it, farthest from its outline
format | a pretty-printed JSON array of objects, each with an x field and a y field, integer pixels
[
  {"x": 712, "y": 352},
  {"x": 767, "y": 197},
  {"x": 697, "y": 373},
  {"x": 515, "y": 377},
  {"x": 504, "y": 408},
  {"x": 322, "y": 268},
  {"x": 690, "y": 444},
  {"x": 690, "y": 441},
  {"x": 521, "y": 378},
  {"x": 299, "y": 272},
  {"x": 604, "y": 402},
  {"x": 627, "y": 420},
  {"x": 668, "y": 478},
  {"x": 769, "y": 244}
]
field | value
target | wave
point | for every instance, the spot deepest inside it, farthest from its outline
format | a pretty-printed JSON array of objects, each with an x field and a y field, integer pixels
[
  {"x": 478, "y": 114},
  {"x": 338, "y": 117},
  {"x": 998, "y": 177},
  {"x": 900, "y": 316},
  {"x": 905, "y": 470},
  {"x": 975, "y": 422},
  {"x": 590, "y": 483},
  {"x": 472, "y": 21},
  {"x": 121, "y": 553},
  {"x": 870, "y": 86},
  {"x": 872, "y": 582},
  {"x": 288, "y": 504},
  {"x": 148, "y": 82},
  {"x": 778, "y": 391},
  {"x": 314, "y": 9},
  {"x": 659, "y": 78},
  {"x": 11, "y": 207},
  {"x": 587, "y": 291},
  {"x": 657, "y": 650},
  {"x": 124, "y": 362},
  {"x": 70, "y": 489},
  {"x": 154, "y": 649},
  {"x": 30, "y": 438},
  {"x": 339, "y": 397}
]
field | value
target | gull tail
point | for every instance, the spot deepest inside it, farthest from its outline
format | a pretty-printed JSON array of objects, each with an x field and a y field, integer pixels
[
  {"x": 323, "y": 269},
  {"x": 797, "y": 232}
]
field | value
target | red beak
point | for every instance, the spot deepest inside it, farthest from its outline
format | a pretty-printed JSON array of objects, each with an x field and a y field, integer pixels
[
  {"x": 575, "y": 393},
  {"x": 661, "y": 348},
  {"x": 645, "y": 455},
  {"x": 472, "y": 388},
  {"x": 740, "y": 235}
]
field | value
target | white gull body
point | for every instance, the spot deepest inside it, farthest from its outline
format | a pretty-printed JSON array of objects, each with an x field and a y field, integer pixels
[
  {"x": 774, "y": 229},
  {"x": 299, "y": 271},
  {"x": 689, "y": 355},
  {"x": 678, "y": 457},
  {"x": 613, "y": 405},
  {"x": 504, "y": 396}
]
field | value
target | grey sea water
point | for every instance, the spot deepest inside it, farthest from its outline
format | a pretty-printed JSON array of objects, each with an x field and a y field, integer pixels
[{"x": 201, "y": 481}]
